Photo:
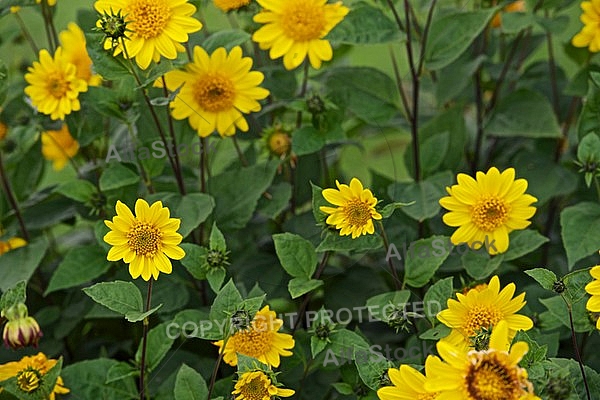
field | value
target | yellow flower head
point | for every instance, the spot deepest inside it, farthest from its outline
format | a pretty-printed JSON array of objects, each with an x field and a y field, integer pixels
[
  {"x": 145, "y": 241},
  {"x": 54, "y": 86},
  {"x": 217, "y": 90},
  {"x": 11, "y": 244},
  {"x": 480, "y": 375},
  {"x": 29, "y": 371},
  {"x": 481, "y": 310},
  {"x": 409, "y": 384},
  {"x": 589, "y": 36},
  {"x": 486, "y": 210},
  {"x": 228, "y": 5},
  {"x": 261, "y": 340},
  {"x": 59, "y": 146},
  {"x": 157, "y": 27},
  {"x": 515, "y": 6},
  {"x": 72, "y": 42},
  {"x": 295, "y": 29},
  {"x": 256, "y": 385},
  {"x": 50, "y": 2},
  {"x": 593, "y": 288},
  {"x": 355, "y": 209}
]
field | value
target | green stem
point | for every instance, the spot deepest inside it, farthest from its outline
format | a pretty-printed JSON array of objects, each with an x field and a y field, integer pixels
[
  {"x": 145, "y": 342},
  {"x": 213, "y": 377},
  {"x": 576, "y": 348},
  {"x": 11, "y": 199},
  {"x": 386, "y": 243},
  {"x": 308, "y": 296},
  {"x": 27, "y": 35}
]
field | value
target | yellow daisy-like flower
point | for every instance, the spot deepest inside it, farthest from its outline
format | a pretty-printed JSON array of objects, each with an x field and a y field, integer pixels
[
  {"x": 11, "y": 244},
  {"x": 486, "y": 210},
  {"x": 256, "y": 385},
  {"x": 491, "y": 374},
  {"x": 145, "y": 241},
  {"x": 482, "y": 309},
  {"x": 228, "y": 5},
  {"x": 409, "y": 384},
  {"x": 72, "y": 42},
  {"x": 355, "y": 209},
  {"x": 261, "y": 340},
  {"x": 157, "y": 27},
  {"x": 54, "y": 86},
  {"x": 589, "y": 36},
  {"x": 217, "y": 90},
  {"x": 295, "y": 29},
  {"x": 29, "y": 372},
  {"x": 59, "y": 146},
  {"x": 593, "y": 288}
]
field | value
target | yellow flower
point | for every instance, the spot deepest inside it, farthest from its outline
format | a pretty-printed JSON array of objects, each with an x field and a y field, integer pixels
[
  {"x": 228, "y": 5},
  {"x": 516, "y": 6},
  {"x": 589, "y": 36},
  {"x": 409, "y": 384},
  {"x": 59, "y": 146},
  {"x": 72, "y": 42},
  {"x": 256, "y": 385},
  {"x": 157, "y": 27},
  {"x": 355, "y": 209},
  {"x": 29, "y": 371},
  {"x": 480, "y": 375},
  {"x": 145, "y": 241},
  {"x": 486, "y": 210},
  {"x": 260, "y": 340},
  {"x": 482, "y": 309},
  {"x": 15, "y": 9},
  {"x": 50, "y": 2},
  {"x": 217, "y": 90},
  {"x": 53, "y": 85},
  {"x": 295, "y": 29},
  {"x": 11, "y": 244},
  {"x": 593, "y": 288}
]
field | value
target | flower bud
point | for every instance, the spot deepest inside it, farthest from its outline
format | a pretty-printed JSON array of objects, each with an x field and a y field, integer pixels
[{"x": 21, "y": 330}]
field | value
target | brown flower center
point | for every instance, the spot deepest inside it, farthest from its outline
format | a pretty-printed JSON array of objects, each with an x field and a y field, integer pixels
[
  {"x": 148, "y": 17},
  {"x": 57, "y": 85},
  {"x": 255, "y": 390},
  {"x": 489, "y": 377},
  {"x": 489, "y": 213},
  {"x": 214, "y": 92},
  {"x": 302, "y": 21},
  {"x": 144, "y": 239}
]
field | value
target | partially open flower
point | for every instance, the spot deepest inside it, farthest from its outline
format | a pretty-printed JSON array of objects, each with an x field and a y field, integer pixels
[{"x": 21, "y": 330}]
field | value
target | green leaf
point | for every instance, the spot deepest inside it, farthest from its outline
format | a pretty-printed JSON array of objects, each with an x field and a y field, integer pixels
[
  {"x": 334, "y": 242},
  {"x": 589, "y": 148},
  {"x": 20, "y": 264},
  {"x": 345, "y": 342},
  {"x": 389, "y": 209},
  {"x": 426, "y": 256},
  {"x": 343, "y": 388},
  {"x": 558, "y": 308},
  {"x": 452, "y": 34},
  {"x": 301, "y": 285},
  {"x": 371, "y": 367},
  {"x": 228, "y": 301},
  {"x": 70, "y": 273},
  {"x": 87, "y": 379},
  {"x": 189, "y": 385},
  {"x": 523, "y": 242},
  {"x": 307, "y": 140},
  {"x": 433, "y": 152},
  {"x": 544, "y": 277},
  {"x": 116, "y": 176},
  {"x": 216, "y": 240},
  {"x": 13, "y": 296},
  {"x": 296, "y": 254},
  {"x": 246, "y": 363},
  {"x": 78, "y": 190},
  {"x": 435, "y": 333},
  {"x": 425, "y": 195},
  {"x": 380, "y": 306},
  {"x": 509, "y": 120},
  {"x": 135, "y": 316},
  {"x": 215, "y": 277},
  {"x": 580, "y": 231},
  {"x": 575, "y": 283},
  {"x": 121, "y": 371},
  {"x": 448, "y": 87},
  {"x": 479, "y": 264},
  {"x": 119, "y": 296},
  {"x": 365, "y": 24},
  {"x": 228, "y": 38},
  {"x": 157, "y": 346},
  {"x": 280, "y": 195},
  {"x": 439, "y": 293},
  {"x": 317, "y": 345},
  {"x": 317, "y": 201},
  {"x": 193, "y": 209},
  {"x": 195, "y": 260}
]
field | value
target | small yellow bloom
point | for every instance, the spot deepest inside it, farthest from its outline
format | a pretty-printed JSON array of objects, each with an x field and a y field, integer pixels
[
  {"x": 296, "y": 29},
  {"x": 29, "y": 370},
  {"x": 408, "y": 384},
  {"x": 593, "y": 288},
  {"x": 516, "y": 6},
  {"x": 355, "y": 209},
  {"x": 50, "y": 2},
  {"x": 261, "y": 340},
  {"x": 59, "y": 146},
  {"x": 228, "y": 5},
  {"x": 72, "y": 42},
  {"x": 11, "y": 244},
  {"x": 15, "y": 9},
  {"x": 145, "y": 241},
  {"x": 589, "y": 36},
  {"x": 256, "y": 385}
]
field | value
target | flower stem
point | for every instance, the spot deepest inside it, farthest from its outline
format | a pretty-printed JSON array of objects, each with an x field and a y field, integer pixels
[
  {"x": 49, "y": 25},
  {"x": 386, "y": 244},
  {"x": 213, "y": 377},
  {"x": 27, "y": 35},
  {"x": 576, "y": 349},
  {"x": 11, "y": 199},
  {"x": 308, "y": 296},
  {"x": 145, "y": 341}
]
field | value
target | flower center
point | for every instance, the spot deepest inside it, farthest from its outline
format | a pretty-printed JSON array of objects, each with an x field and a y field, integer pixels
[
  {"x": 490, "y": 378},
  {"x": 481, "y": 317},
  {"x": 489, "y": 213},
  {"x": 357, "y": 212},
  {"x": 255, "y": 390},
  {"x": 148, "y": 17},
  {"x": 302, "y": 21},
  {"x": 57, "y": 85},
  {"x": 214, "y": 92},
  {"x": 28, "y": 380},
  {"x": 255, "y": 341},
  {"x": 144, "y": 239}
]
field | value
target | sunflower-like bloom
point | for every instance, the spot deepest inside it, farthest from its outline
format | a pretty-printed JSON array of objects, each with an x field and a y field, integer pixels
[
  {"x": 145, "y": 241},
  {"x": 21, "y": 330},
  {"x": 473, "y": 315},
  {"x": 409, "y": 384},
  {"x": 217, "y": 90},
  {"x": 589, "y": 36},
  {"x": 480, "y": 375},
  {"x": 256, "y": 385},
  {"x": 72, "y": 42},
  {"x": 59, "y": 146},
  {"x": 515, "y": 6},
  {"x": 54, "y": 86},
  {"x": 157, "y": 28},
  {"x": 30, "y": 371},
  {"x": 11, "y": 244},
  {"x": 295, "y": 29},
  {"x": 355, "y": 209},
  {"x": 593, "y": 288},
  {"x": 229, "y": 5},
  {"x": 261, "y": 340},
  {"x": 486, "y": 210}
]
